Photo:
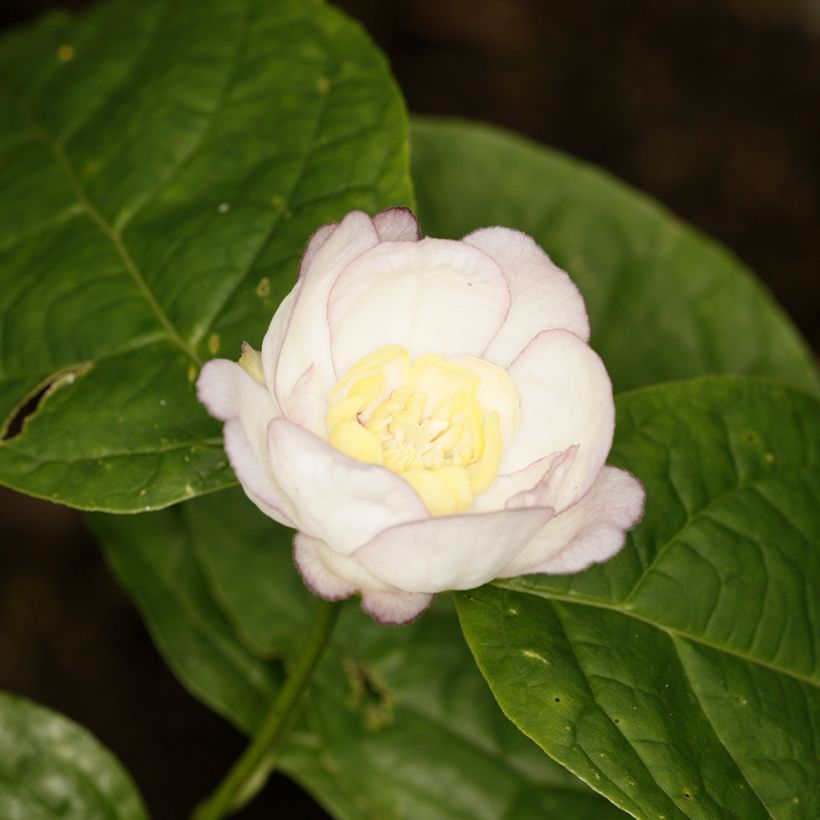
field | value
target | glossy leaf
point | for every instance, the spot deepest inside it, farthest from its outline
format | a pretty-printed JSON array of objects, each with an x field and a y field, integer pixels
[
  {"x": 682, "y": 678},
  {"x": 50, "y": 767},
  {"x": 398, "y": 721},
  {"x": 162, "y": 165},
  {"x": 665, "y": 302}
]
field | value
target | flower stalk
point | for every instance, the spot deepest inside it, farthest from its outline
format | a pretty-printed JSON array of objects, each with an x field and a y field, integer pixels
[{"x": 259, "y": 758}]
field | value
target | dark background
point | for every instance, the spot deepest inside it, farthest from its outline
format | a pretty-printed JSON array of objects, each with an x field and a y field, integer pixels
[{"x": 712, "y": 107}]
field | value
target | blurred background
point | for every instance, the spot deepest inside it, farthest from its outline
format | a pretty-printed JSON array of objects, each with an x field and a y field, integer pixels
[{"x": 710, "y": 106}]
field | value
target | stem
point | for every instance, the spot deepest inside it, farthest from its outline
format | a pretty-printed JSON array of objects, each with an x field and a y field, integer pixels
[{"x": 257, "y": 760}]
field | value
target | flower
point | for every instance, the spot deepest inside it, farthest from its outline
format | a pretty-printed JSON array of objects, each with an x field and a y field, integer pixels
[{"x": 428, "y": 415}]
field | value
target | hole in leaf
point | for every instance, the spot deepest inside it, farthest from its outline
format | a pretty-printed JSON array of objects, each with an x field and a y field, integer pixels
[
  {"x": 31, "y": 403},
  {"x": 558, "y": 700},
  {"x": 687, "y": 795},
  {"x": 368, "y": 695}
]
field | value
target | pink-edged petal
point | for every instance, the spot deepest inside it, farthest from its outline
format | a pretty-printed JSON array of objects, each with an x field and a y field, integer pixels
[
  {"x": 306, "y": 338},
  {"x": 395, "y": 608},
  {"x": 317, "y": 573},
  {"x": 275, "y": 336},
  {"x": 451, "y": 552},
  {"x": 318, "y": 238},
  {"x": 534, "y": 486},
  {"x": 255, "y": 476},
  {"x": 543, "y": 296},
  {"x": 566, "y": 399},
  {"x": 431, "y": 296},
  {"x": 546, "y": 491},
  {"x": 397, "y": 225},
  {"x": 591, "y": 531},
  {"x": 228, "y": 392},
  {"x": 246, "y": 407},
  {"x": 335, "y": 577},
  {"x": 306, "y": 406},
  {"x": 495, "y": 497},
  {"x": 339, "y": 500}
]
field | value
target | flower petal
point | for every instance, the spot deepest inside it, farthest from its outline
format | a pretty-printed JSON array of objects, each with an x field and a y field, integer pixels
[
  {"x": 306, "y": 406},
  {"x": 246, "y": 407},
  {"x": 306, "y": 338},
  {"x": 504, "y": 487},
  {"x": 397, "y": 225},
  {"x": 590, "y": 532},
  {"x": 395, "y": 608},
  {"x": 335, "y": 577},
  {"x": 318, "y": 574},
  {"x": 339, "y": 500},
  {"x": 433, "y": 295},
  {"x": 274, "y": 338},
  {"x": 451, "y": 552},
  {"x": 317, "y": 239},
  {"x": 566, "y": 399},
  {"x": 546, "y": 492},
  {"x": 255, "y": 476},
  {"x": 543, "y": 296}
]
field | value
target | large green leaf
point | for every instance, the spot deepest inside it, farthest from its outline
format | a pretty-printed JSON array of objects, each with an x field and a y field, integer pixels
[
  {"x": 398, "y": 722},
  {"x": 665, "y": 303},
  {"x": 162, "y": 165},
  {"x": 50, "y": 768},
  {"x": 681, "y": 678}
]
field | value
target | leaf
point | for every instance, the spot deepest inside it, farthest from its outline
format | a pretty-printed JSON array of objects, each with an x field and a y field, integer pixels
[
  {"x": 681, "y": 678},
  {"x": 665, "y": 303},
  {"x": 51, "y": 767},
  {"x": 398, "y": 722},
  {"x": 162, "y": 165}
]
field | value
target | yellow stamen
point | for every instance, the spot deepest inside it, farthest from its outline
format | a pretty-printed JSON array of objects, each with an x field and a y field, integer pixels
[{"x": 424, "y": 422}]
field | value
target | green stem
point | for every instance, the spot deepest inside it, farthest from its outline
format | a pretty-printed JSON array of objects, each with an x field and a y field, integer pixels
[{"x": 257, "y": 760}]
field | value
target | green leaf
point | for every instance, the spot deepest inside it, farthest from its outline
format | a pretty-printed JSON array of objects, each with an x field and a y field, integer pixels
[
  {"x": 665, "y": 303},
  {"x": 398, "y": 722},
  {"x": 51, "y": 767},
  {"x": 162, "y": 166},
  {"x": 681, "y": 678}
]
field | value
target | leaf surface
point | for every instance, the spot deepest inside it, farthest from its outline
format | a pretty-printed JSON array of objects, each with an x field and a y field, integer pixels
[
  {"x": 682, "y": 677},
  {"x": 398, "y": 722},
  {"x": 664, "y": 302},
  {"x": 162, "y": 165},
  {"x": 50, "y": 767}
]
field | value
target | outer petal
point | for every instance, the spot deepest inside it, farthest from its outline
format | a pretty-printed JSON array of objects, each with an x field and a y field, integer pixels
[
  {"x": 543, "y": 296},
  {"x": 451, "y": 552},
  {"x": 274, "y": 338},
  {"x": 590, "y": 532},
  {"x": 397, "y": 225},
  {"x": 566, "y": 399},
  {"x": 432, "y": 296},
  {"x": 335, "y": 576},
  {"x": 247, "y": 407},
  {"x": 338, "y": 500},
  {"x": 319, "y": 237},
  {"x": 306, "y": 339},
  {"x": 395, "y": 607}
]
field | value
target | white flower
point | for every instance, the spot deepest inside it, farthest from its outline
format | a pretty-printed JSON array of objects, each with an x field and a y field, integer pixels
[{"x": 427, "y": 414}]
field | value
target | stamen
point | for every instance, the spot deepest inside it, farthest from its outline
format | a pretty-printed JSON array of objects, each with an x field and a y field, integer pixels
[{"x": 377, "y": 415}]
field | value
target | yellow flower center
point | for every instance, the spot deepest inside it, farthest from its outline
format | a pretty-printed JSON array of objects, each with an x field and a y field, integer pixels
[{"x": 423, "y": 421}]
